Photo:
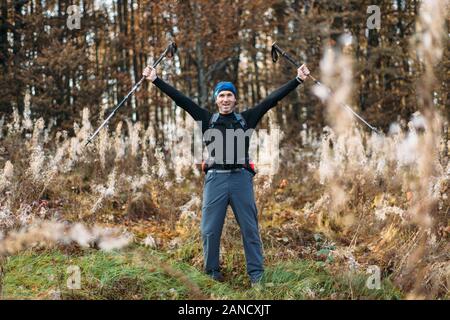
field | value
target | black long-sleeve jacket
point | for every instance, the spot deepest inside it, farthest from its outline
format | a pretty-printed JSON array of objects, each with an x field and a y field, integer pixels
[{"x": 252, "y": 116}]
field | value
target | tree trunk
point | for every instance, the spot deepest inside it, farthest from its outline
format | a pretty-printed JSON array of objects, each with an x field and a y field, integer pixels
[{"x": 18, "y": 54}]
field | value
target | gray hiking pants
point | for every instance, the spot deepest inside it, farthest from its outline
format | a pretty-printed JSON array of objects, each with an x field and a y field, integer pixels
[{"x": 220, "y": 190}]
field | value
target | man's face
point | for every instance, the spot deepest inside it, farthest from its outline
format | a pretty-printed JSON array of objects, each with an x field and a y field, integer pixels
[{"x": 226, "y": 101}]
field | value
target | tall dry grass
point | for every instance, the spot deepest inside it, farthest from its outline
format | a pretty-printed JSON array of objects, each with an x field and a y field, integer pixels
[{"x": 389, "y": 193}]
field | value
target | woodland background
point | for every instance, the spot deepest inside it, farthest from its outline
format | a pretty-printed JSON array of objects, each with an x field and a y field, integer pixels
[{"x": 58, "y": 71}]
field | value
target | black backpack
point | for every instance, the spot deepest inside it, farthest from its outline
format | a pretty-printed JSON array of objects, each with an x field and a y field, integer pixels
[{"x": 240, "y": 119}]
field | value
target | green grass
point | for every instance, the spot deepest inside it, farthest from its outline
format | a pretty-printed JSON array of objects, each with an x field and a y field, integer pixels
[{"x": 142, "y": 273}]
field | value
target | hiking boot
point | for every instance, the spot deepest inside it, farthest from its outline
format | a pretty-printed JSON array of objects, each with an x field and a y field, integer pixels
[
  {"x": 257, "y": 284},
  {"x": 217, "y": 276}
]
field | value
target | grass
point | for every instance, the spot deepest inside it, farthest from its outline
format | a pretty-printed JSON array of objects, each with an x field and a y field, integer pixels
[{"x": 142, "y": 273}]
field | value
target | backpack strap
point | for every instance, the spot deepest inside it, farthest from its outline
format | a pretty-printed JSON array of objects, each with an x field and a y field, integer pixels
[
  {"x": 213, "y": 120},
  {"x": 241, "y": 120},
  {"x": 237, "y": 116}
]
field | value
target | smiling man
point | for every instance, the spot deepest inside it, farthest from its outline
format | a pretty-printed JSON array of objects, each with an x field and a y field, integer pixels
[
  {"x": 229, "y": 171},
  {"x": 225, "y": 96}
]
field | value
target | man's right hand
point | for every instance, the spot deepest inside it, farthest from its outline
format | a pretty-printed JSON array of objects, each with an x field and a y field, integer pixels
[{"x": 150, "y": 73}]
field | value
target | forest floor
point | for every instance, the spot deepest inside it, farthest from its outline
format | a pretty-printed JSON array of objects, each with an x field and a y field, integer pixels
[{"x": 143, "y": 273}]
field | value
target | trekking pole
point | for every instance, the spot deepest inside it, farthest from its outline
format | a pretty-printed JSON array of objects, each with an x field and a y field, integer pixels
[
  {"x": 276, "y": 50},
  {"x": 169, "y": 52}
]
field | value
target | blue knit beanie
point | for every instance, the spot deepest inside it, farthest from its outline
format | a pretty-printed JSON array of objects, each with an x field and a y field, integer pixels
[{"x": 224, "y": 86}]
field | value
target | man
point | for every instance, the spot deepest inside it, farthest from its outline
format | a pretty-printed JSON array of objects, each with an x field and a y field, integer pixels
[{"x": 229, "y": 177}]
